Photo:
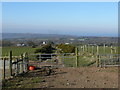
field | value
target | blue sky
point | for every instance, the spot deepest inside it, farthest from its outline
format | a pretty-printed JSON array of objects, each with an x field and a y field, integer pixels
[{"x": 72, "y": 18}]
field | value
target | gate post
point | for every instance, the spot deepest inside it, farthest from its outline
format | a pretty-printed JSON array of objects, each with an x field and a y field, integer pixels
[
  {"x": 17, "y": 67},
  {"x": 26, "y": 61},
  {"x": 10, "y": 61},
  {"x": 21, "y": 64}
]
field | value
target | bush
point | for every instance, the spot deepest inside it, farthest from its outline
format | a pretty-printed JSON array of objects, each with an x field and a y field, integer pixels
[
  {"x": 66, "y": 48},
  {"x": 45, "y": 49}
]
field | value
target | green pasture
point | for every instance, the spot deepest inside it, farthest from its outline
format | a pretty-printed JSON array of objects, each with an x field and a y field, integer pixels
[
  {"x": 85, "y": 58},
  {"x": 17, "y": 50},
  {"x": 100, "y": 50}
]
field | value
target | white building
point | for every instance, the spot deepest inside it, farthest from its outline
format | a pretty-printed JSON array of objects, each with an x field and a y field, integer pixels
[
  {"x": 20, "y": 44},
  {"x": 67, "y": 43},
  {"x": 44, "y": 42}
]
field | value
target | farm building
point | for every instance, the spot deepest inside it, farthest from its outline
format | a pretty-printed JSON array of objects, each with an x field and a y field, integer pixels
[{"x": 19, "y": 45}]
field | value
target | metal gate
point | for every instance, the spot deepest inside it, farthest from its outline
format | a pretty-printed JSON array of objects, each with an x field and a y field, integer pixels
[
  {"x": 55, "y": 60},
  {"x": 109, "y": 60}
]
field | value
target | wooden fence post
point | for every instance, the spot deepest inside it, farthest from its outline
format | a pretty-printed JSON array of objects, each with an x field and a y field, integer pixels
[
  {"x": 92, "y": 49},
  {"x": 104, "y": 48},
  {"x": 83, "y": 49},
  {"x": 4, "y": 68},
  {"x": 111, "y": 50},
  {"x": 17, "y": 67},
  {"x": 76, "y": 57},
  {"x": 115, "y": 50},
  {"x": 21, "y": 64},
  {"x": 97, "y": 50},
  {"x": 10, "y": 63},
  {"x": 97, "y": 61},
  {"x": 26, "y": 61},
  {"x": 87, "y": 48}
]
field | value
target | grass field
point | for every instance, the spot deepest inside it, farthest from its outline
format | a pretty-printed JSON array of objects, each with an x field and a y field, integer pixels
[
  {"x": 70, "y": 60},
  {"x": 17, "y": 50},
  {"x": 101, "y": 50},
  {"x": 83, "y": 60}
]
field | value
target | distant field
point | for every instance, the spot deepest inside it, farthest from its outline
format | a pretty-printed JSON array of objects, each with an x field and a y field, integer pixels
[{"x": 17, "y": 50}]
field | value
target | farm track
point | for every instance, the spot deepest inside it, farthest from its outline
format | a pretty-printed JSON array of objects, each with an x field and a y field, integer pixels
[{"x": 82, "y": 77}]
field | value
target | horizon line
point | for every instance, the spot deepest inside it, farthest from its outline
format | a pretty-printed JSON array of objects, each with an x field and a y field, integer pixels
[{"x": 64, "y": 34}]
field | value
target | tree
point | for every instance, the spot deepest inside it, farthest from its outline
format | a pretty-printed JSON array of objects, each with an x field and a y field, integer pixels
[
  {"x": 45, "y": 49},
  {"x": 50, "y": 42},
  {"x": 6, "y": 43},
  {"x": 31, "y": 43}
]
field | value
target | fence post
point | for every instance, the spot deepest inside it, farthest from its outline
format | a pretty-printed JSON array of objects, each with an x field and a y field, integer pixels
[
  {"x": 104, "y": 49},
  {"x": 17, "y": 67},
  {"x": 10, "y": 65},
  {"x": 21, "y": 64},
  {"x": 4, "y": 68},
  {"x": 88, "y": 48},
  {"x": 83, "y": 49},
  {"x": 26, "y": 61},
  {"x": 92, "y": 50},
  {"x": 97, "y": 61},
  {"x": 111, "y": 50},
  {"x": 115, "y": 50},
  {"x": 97, "y": 50},
  {"x": 76, "y": 56}
]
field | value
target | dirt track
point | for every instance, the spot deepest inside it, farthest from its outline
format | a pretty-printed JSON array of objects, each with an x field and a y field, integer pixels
[{"x": 83, "y": 77}]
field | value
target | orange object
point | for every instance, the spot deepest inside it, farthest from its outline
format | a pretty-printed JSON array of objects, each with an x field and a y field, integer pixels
[{"x": 31, "y": 67}]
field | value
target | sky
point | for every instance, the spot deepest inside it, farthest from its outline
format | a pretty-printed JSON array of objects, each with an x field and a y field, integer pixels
[{"x": 68, "y": 18}]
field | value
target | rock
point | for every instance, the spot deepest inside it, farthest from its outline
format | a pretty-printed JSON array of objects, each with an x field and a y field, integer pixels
[{"x": 68, "y": 83}]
